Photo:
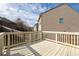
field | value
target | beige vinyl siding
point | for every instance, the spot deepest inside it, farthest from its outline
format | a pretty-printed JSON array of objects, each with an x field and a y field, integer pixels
[{"x": 50, "y": 19}]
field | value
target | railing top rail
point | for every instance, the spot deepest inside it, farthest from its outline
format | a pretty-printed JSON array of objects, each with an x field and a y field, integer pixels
[
  {"x": 75, "y": 33},
  {"x": 1, "y": 33},
  {"x": 21, "y": 32}
]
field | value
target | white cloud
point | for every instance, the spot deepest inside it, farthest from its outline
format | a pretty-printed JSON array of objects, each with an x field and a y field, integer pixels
[{"x": 27, "y": 12}]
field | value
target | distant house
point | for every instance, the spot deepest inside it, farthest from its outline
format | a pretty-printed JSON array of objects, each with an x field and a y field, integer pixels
[
  {"x": 60, "y": 18},
  {"x": 9, "y": 26},
  {"x": 7, "y": 23}
]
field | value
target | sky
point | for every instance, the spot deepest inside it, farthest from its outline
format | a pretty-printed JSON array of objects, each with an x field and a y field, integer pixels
[{"x": 28, "y": 12}]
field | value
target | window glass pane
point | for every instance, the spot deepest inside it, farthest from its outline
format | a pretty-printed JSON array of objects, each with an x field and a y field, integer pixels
[{"x": 61, "y": 20}]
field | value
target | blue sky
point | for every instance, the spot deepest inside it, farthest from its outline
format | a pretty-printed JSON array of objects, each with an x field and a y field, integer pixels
[{"x": 28, "y": 12}]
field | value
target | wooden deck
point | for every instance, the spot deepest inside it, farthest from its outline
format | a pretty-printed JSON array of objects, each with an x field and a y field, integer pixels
[{"x": 44, "y": 48}]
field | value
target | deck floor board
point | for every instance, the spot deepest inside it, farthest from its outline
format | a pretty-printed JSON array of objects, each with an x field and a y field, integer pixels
[{"x": 45, "y": 48}]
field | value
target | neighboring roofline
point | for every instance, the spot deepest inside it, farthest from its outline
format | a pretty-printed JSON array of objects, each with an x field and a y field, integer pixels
[
  {"x": 55, "y": 8},
  {"x": 50, "y": 9}
]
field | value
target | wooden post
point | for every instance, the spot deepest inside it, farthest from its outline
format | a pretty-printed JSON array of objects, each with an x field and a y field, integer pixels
[
  {"x": 56, "y": 37},
  {"x": 1, "y": 45},
  {"x": 8, "y": 49}
]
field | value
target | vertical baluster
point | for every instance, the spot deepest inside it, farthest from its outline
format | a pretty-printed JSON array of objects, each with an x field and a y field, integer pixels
[
  {"x": 8, "y": 49},
  {"x": 40, "y": 35},
  {"x": 15, "y": 38},
  {"x": 29, "y": 38},
  {"x": 34, "y": 36},
  {"x": 8, "y": 39},
  {"x": 61, "y": 37},
  {"x": 23, "y": 37},
  {"x": 57, "y": 37},
  {"x": 12, "y": 39},
  {"x": 71, "y": 39},
  {"x": 74, "y": 39},
  {"x": 35, "y": 39},
  {"x": 4, "y": 40},
  {"x": 77, "y": 40},
  {"x": 66, "y": 38},
  {"x": 26, "y": 39},
  {"x": 18, "y": 37}
]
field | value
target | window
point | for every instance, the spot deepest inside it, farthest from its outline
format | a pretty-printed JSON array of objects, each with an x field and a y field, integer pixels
[{"x": 61, "y": 20}]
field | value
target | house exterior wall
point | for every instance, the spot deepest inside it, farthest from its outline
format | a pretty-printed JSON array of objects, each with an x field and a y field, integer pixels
[{"x": 50, "y": 20}]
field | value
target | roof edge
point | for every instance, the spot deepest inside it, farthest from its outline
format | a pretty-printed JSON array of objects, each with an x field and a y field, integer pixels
[
  {"x": 55, "y": 8},
  {"x": 51, "y": 9}
]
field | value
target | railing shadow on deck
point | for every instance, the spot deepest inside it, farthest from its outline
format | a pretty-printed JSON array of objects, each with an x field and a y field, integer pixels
[
  {"x": 28, "y": 46},
  {"x": 33, "y": 50},
  {"x": 16, "y": 54}
]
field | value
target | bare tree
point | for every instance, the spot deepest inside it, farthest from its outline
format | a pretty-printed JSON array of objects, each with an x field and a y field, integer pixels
[{"x": 19, "y": 24}]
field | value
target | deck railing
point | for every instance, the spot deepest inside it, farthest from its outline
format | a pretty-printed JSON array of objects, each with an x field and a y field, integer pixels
[
  {"x": 11, "y": 39},
  {"x": 67, "y": 38}
]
